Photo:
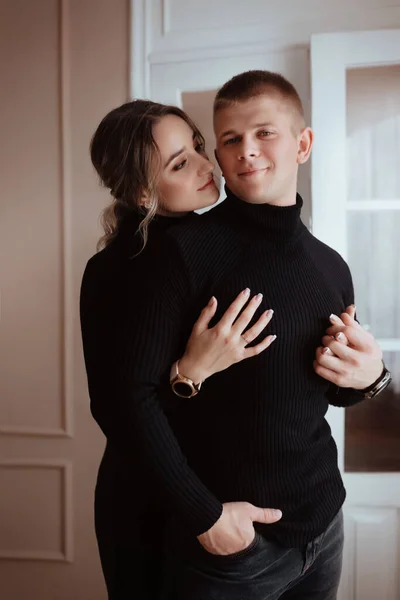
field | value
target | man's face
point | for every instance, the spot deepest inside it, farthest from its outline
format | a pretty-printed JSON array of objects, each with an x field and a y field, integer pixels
[{"x": 260, "y": 144}]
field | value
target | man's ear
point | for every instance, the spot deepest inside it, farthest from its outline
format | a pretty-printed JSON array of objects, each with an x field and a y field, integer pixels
[
  {"x": 217, "y": 159},
  {"x": 305, "y": 145}
]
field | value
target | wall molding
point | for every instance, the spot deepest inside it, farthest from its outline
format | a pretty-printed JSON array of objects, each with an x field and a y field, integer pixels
[
  {"x": 140, "y": 16},
  {"x": 66, "y": 553},
  {"x": 165, "y": 17},
  {"x": 67, "y": 300},
  {"x": 276, "y": 45}
]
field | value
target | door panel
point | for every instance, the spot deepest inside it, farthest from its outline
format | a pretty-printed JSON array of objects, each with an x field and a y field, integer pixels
[
  {"x": 356, "y": 210},
  {"x": 59, "y": 79}
]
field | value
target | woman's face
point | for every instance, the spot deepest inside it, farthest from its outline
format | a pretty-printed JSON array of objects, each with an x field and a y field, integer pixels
[{"x": 186, "y": 179}]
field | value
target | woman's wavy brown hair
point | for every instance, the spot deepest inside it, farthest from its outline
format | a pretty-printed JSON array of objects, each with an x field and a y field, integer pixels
[{"x": 127, "y": 160}]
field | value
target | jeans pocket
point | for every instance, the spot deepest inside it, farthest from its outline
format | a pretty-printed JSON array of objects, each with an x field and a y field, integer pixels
[{"x": 236, "y": 555}]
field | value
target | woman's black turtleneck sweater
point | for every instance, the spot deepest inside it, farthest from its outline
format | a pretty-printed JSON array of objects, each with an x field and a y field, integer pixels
[{"x": 257, "y": 431}]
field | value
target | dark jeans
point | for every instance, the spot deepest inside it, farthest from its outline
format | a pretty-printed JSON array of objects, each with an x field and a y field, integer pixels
[{"x": 263, "y": 571}]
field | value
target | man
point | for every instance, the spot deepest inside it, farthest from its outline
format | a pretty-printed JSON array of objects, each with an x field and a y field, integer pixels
[
  {"x": 284, "y": 455},
  {"x": 255, "y": 435}
]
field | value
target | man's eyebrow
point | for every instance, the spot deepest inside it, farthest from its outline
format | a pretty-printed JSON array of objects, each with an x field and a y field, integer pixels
[
  {"x": 176, "y": 154},
  {"x": 229, "y": 132}
]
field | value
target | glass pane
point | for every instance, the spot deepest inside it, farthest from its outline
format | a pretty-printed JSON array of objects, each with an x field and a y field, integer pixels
[
  {"x": 373, "y": 133},
  {"x": 373, "y": 427},
  {"x": 373, "y": 256}
]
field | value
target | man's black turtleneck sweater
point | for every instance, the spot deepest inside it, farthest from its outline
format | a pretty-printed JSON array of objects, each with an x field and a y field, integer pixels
[{"x": 257, "y": 431}]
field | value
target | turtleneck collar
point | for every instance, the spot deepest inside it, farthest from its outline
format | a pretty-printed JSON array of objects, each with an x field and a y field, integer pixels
[{"x": 277, "y": 223}]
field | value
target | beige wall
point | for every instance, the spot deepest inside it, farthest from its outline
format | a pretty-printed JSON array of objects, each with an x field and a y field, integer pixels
[{"x": 63, "y": 65}]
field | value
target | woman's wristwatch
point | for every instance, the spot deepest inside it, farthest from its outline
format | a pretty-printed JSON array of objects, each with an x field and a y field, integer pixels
[{"x": 182, "y": 386}]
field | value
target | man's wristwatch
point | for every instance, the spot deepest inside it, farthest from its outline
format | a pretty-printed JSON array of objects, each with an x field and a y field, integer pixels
[
  {"x": 379, "y": 385},
  {"x": 183, "y": 386}
]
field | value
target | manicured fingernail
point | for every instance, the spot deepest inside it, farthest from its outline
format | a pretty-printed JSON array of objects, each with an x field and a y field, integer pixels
[
  {"x": 333, "y": 317},
  {"x": 276, "y": 512},
  {"x": 246, "y": 292},
  {"x": 327, "y": 351},
  {"x": 268, "y": 313},
  {"x": 340, "y": 336},
  {"x": 259, "y": 297},
  {"x": 273, "y": 338},
  {"x": 212, "y": 300}
]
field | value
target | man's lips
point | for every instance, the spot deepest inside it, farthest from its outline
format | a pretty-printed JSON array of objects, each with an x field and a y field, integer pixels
[
  {"x": 209, "y": 182},
  {"x": 251, "y": 172}
]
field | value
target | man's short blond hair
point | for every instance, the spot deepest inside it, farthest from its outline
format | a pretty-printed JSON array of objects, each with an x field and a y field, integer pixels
[{"x": 252, "y": 84}]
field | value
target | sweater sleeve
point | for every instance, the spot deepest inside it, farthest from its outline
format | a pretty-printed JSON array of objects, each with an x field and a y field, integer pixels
[
  {"x": 338, "y": 396},
  {"x": 133, "y": 419}
]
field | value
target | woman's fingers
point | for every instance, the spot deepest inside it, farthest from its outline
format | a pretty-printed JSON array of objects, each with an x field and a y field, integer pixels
[
  {"x": 254, "y": 350},
  {"x": 205, "y": 317},
  {"x": 234, "y": 309},
  {"x": 336, "y": 321},
  {"x": 254, "y": 331},
  {"x": 327, "y": 340},
  {"x": 351, "y": 311},
  {"x": 244, "y": 319}
]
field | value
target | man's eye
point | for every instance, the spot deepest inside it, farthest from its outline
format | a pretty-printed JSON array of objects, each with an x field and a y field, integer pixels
[
  {"x": 180, "y": 166},
  {"x": 231, "y": 141}
]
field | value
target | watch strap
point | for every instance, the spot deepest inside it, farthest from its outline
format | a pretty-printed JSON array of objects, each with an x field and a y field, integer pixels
[
  {"x": 379, "y": 385},
  {"x": 179, "y": 381}
]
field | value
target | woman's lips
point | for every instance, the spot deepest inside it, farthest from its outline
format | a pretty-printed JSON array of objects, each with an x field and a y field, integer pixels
[{"x": 210, "y": 182}]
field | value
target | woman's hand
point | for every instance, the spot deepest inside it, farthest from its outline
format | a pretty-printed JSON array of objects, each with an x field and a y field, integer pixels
[{"x": 214, "y": 349}]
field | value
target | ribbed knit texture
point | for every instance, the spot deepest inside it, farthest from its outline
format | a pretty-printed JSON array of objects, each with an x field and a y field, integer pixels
[{"x": 256, "y": 432}]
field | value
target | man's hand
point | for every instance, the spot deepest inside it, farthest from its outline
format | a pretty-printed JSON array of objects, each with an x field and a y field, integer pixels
[
  {"x": 234, "y": 530},
  {"x": 350, "y": 356}
]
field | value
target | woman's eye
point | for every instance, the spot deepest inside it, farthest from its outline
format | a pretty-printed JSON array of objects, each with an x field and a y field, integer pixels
[
  {"x": 265, "y": 133},
  {"x": 180, "y": 166}
]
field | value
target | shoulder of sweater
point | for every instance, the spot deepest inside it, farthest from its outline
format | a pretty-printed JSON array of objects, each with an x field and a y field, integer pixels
[
  {"x": 332, "y": 260},
  {"x": 327, "y": 251},
  {"x": 125, "y": 259}
]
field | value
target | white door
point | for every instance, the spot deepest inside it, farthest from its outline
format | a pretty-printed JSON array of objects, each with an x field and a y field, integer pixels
[
  {"x": 371, "y": 555},
  {"x": 356, "y": 209}
]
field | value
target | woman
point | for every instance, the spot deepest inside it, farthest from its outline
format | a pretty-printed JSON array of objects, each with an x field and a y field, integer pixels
[{"x": 152, "y": 159}]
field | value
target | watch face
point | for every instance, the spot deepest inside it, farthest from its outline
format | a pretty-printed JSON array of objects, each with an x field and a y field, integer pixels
[{"x": 183, "y": 389}]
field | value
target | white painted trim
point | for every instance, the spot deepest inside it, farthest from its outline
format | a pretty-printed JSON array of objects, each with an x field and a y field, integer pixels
[
  {"x": 327, "y": 59},
  {"x": 392, "y": 345},
  {"x": 199, "y": 54},
  {"x": 139, "y": 49},
  {"x": 373, "y": 205},
  {"x": 353, "y": 44},
  {"x": 66, "y": 554},
  {"x": 66, "y": 268},
  {"x": 166, "y": 17}
]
